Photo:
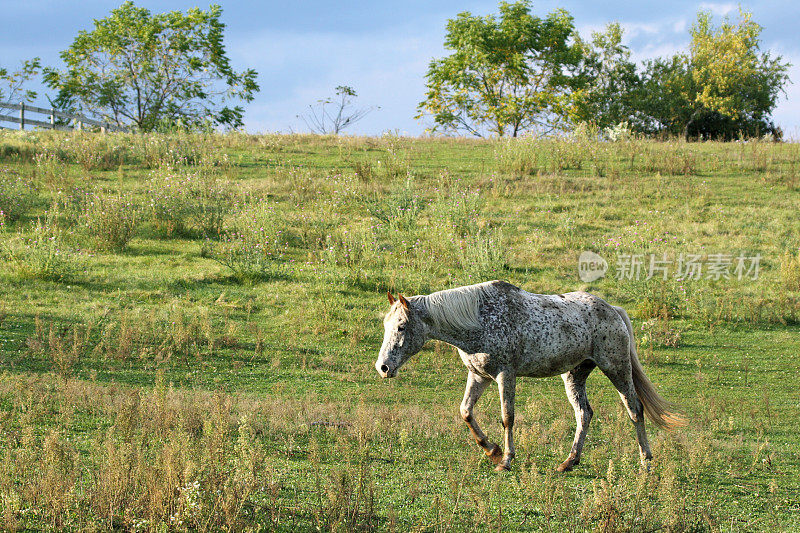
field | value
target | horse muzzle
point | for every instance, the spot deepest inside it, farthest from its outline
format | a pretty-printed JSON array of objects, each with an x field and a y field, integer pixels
[{"x": 385, "y": 370}]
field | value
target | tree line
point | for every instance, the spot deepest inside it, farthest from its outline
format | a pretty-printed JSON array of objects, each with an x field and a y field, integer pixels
[
  {"x": 516, "y": 73},
  {"x": 507, "y": 74}
]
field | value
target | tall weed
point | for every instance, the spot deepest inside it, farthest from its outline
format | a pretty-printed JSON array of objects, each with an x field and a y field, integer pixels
[
  {"x": 44, "y": 253},
  {"x": 458, "y": 208},
  {"x": 790, "y": 271},
  {"x": 111, "y": 220},
  {"x": 183, "y": 203},
  {"x": 17, "y": 196},
  {"x": 481, "y": 256},
  {"x": 51, "y": 170},
  {"x": 399, "y": 210},
  {"x": 255, "y": 249}
]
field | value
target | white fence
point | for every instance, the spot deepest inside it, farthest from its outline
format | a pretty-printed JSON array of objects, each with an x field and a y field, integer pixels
[{"x": 77, "y": 121}]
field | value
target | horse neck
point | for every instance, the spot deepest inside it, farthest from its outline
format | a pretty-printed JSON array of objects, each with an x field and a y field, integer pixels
[{"x": 466, "y": 339}]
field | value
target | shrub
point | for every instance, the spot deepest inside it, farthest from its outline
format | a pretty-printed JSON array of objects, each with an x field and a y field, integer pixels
[
  {"x": 111, "y": 220},
  {"x": 619, "y": 133},
  {"x": 16, "y": 195},
  {"x": 44, "y": 254},
  {"x": 51, "y": 169},
  {"x": 790, "y": 271},
  {"x": 181, "y": 203},
  {"x": 255, "y": 249},
  {"x": 481, "y": 256}
]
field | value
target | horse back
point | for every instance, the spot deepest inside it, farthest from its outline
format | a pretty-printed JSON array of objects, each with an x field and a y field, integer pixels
[{"x": 548, "y": 334}]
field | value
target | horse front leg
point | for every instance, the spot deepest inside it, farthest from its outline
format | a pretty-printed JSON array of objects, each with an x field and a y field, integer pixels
[
  {"x": 475, "y": 387},
  {"x": 507, "y": 385}
]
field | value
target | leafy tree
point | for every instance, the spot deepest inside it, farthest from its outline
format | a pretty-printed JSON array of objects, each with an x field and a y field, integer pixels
[
  {"x": 732, "y": 77},
  {"x": 149, "y": 70},
  {"x": 12, "y": 84},
  {"x": 665, "y": 95},
  {"x": 724, "y": 87},
  {"x": 324, "y": 121},
  {"x": 609, "y": 83},
  {"x": 506, "y": 75}
]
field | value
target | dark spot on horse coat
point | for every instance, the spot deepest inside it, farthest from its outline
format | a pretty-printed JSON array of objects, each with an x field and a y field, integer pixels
[
  {"x": 505, "y": 287},
  {"x": 547, "y": 304}
]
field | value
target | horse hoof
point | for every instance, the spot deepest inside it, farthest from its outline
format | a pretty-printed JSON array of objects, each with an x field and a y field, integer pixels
[
  {"x": 566, "y": 466},
  {"x": 496, "y": 455},
  {"x": 502, "y": 468}
]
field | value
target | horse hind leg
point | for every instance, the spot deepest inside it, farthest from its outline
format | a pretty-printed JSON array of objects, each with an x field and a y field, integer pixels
[
  {"x": 475, "y": 387},
  {"x": 575, "y": 385},
  {"x": 621, "y": 376}
]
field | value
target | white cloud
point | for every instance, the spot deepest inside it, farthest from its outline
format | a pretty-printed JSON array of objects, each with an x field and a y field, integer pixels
[
  {"x": 637, "y": 29},
  {"x": 718, "y": 9},
  {"x": 586, "y": 30}
]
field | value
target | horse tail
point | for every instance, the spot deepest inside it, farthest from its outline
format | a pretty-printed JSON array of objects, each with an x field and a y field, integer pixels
[{"x": 657, "y": 409}]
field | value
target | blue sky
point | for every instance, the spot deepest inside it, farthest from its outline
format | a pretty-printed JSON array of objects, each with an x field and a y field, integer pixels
[{"x": 303, "y": 49}]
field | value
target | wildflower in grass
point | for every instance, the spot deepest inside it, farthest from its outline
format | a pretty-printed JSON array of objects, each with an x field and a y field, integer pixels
[
  {"x": 482, "y": 256},
  {"x": 400, "y": 210},
  {"x": 17, "y": 195},
  {"x": 458, "y": 207},
  {"x": 256, "y": 248},
  {"x": 51, "y": 169},
  {"x": 111, "y": 220},
  {"x": 180, "y": 203},
  {"x": 43, "y": 253}
]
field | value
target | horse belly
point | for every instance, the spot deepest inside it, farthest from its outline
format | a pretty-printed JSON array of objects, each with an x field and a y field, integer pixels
[
  {"x": 544, "y": 366},
  {"x": 554, "y": 353}
]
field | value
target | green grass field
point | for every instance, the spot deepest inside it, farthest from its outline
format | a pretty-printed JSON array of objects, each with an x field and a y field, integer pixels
[{"x": 188, "y": 327}]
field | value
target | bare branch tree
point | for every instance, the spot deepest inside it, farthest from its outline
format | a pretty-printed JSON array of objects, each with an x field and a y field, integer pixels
[
  {"x": 332, "y": 115},
  {"x": 12, "y": 84}
]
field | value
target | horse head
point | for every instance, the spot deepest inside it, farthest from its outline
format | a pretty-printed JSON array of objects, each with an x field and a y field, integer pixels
[{"x": 405, "y": 332}]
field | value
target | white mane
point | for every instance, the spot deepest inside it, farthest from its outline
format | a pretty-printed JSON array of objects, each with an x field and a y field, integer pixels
[{"x": 455, "y": 309}]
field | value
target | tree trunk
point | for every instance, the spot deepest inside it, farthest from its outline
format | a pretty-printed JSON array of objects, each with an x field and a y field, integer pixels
[{"x": 686, "y": 128}]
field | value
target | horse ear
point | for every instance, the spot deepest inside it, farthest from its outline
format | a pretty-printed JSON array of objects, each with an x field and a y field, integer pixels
[
  {"x": 403, "y": 300},
  {"x": 391, "y": 298}
]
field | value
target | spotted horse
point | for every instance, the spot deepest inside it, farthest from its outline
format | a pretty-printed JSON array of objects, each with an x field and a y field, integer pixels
[{"x": 503, "y": 332}]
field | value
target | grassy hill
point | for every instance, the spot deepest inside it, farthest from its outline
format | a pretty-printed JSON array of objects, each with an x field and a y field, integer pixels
[{"x": 188, "y": 327}]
